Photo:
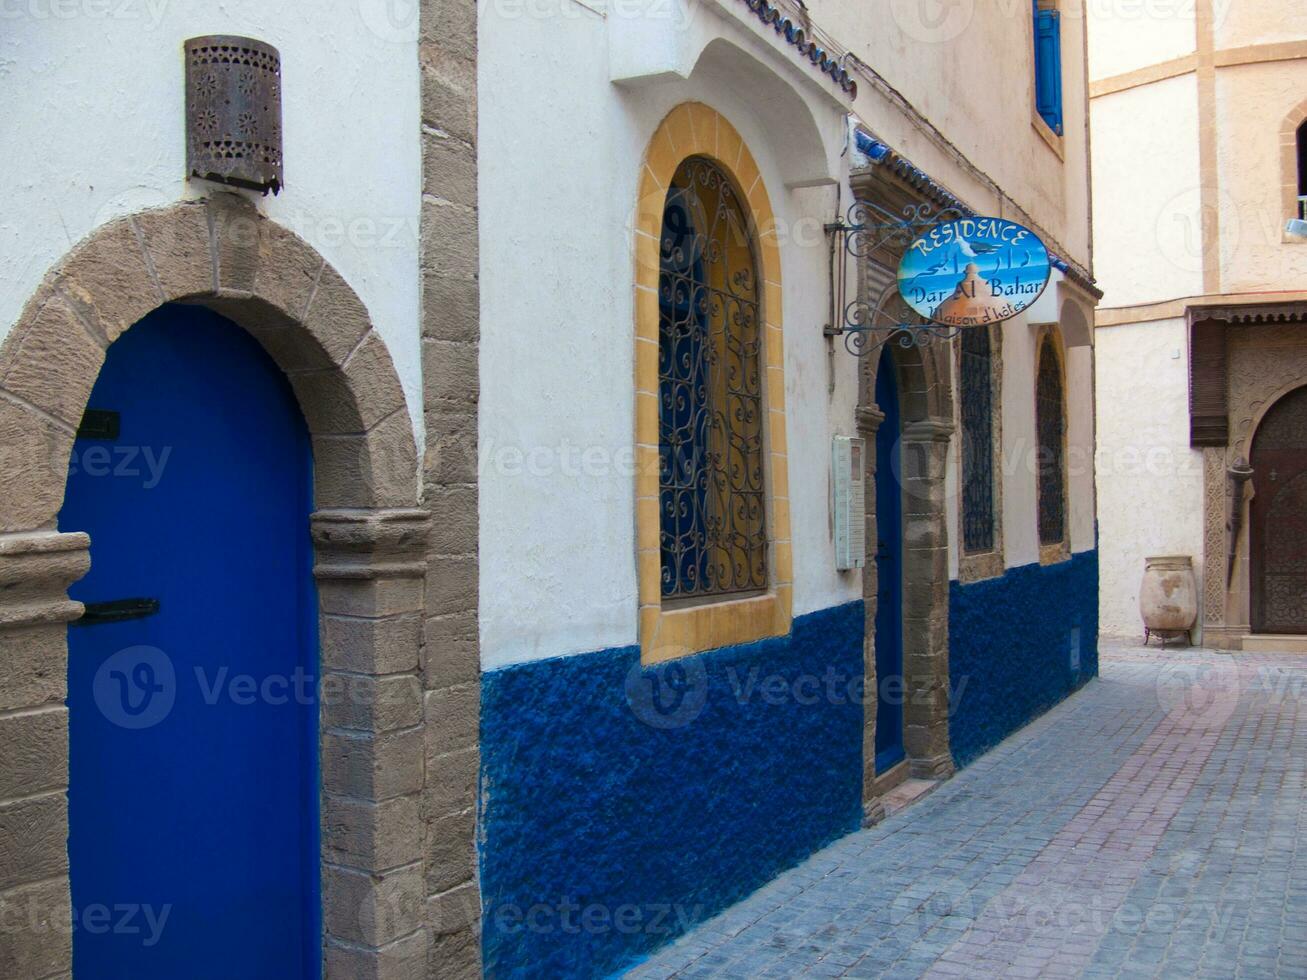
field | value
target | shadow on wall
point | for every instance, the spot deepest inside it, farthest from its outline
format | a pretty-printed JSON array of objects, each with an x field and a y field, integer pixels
[
  {"x": 621, "y": 806},
  {"x": 1018, "y": 645}
]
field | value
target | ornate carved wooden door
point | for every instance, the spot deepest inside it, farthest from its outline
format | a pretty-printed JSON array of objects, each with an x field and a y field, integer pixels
[{"x": 1279, "y": 518}]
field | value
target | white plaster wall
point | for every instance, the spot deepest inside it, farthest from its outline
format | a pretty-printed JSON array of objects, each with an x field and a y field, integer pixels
[
  {"x": 557, "y": 559},
  {"x": 1020, "y": 493},
  {"x": 968, "y": 67},
  {"x": 92, "y": 128},
  {"x": 1239, "y": 23},
  {"x": 1080, "y": 448},
  {"x": 558, "y": 569},
  {"x": 560, "y": 151},
  {"x": 1150, "y": 482},
  {"x": 1126, "y": 36},
  {"x": 1147, "y": 193},
  {"x": 1252, "y": 102}
]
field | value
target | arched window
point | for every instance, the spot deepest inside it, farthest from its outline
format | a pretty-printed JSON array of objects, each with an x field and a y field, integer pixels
[
  {"x": 1302, "y": 171},
  {"x": 1050, "y": 430},
  {"x": 712, "y": 527},
  {"x": 976, "y": 377}
]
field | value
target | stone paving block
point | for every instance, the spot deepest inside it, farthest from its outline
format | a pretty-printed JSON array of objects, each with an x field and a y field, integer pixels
[{"x": 1125, "y": 833}]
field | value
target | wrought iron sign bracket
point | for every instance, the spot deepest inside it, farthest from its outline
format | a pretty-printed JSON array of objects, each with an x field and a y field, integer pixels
[{"x": 864, "y": 229}]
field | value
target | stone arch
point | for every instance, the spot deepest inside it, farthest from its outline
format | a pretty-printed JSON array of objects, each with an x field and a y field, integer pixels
[
  {"x": 927, "y": 389},
  {"x": 925, "y": 385},
  {"x": 222, "y": 254},
  {"x": 1247, "y": 429},
  {"x": 369, "y": 536}
]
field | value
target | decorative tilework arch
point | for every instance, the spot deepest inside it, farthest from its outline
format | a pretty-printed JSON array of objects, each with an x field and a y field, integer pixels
[
  {"x": 694, "y": 129},
  {"x": 369, "y": 535}
]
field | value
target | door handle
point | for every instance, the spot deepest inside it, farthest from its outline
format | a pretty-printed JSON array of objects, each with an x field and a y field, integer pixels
[{"x": 116, "y": 611}]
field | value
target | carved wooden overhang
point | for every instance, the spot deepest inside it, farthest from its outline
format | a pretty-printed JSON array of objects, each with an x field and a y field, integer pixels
[{"x": 1209, "y": 410}]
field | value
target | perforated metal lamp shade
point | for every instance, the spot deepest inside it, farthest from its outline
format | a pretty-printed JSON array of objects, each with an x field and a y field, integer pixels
[{"x": 233, "y": 112}]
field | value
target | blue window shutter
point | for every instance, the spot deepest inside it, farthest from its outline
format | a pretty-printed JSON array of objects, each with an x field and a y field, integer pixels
[{"x": 1048, "y": 67}]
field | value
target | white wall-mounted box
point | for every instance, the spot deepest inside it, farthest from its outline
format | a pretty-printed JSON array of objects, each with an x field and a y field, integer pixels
[{"x": 849, "y": 484}]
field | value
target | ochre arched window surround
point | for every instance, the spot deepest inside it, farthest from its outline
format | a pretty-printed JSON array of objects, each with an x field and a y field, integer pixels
[{"x": 668, "y": 631}]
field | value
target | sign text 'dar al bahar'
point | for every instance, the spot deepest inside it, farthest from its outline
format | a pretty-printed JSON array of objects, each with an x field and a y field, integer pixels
[{"x": 974, "y": 271}]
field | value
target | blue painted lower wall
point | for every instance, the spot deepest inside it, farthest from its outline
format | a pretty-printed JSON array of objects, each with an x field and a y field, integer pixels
[
  {"x": 1011, "y": 644},
  {"x": 620, "y": 806}
]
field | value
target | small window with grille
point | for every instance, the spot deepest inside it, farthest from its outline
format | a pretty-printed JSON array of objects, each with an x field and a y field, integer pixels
[
  {"x": 1302, "y": 171},
  {"x": 712, "y": 527},
  {"x": 1050, "y": 428},
  {"x": 976, "y": 372}
]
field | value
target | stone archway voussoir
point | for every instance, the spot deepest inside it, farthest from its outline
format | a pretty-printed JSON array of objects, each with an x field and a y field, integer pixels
[
  {"x": 108, "y": 281},
  {"x": 375, "y": 469},
  {"x": 34, "y": 455},
  {"x": 176, "y": 242},
  {"x": 52, "y": 361}
]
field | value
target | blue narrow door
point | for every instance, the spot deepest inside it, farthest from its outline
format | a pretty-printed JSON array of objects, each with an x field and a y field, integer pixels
[
  {"x": 889, "y": 572},
  {"x": 192, "y": 680}
]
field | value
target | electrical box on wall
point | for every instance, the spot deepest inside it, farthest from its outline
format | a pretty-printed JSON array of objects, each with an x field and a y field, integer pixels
[{"x": 849, "y": 483}]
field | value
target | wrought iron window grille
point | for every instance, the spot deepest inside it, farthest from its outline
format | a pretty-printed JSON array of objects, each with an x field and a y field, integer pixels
[
  {"x": 1050, "y": 430},
  {"x": 976, "y": 381},
  {"x": 712, "y": 522}
]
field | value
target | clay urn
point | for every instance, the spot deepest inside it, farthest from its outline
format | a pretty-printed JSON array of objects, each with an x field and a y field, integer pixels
[{"x": 1168, "y": 596}]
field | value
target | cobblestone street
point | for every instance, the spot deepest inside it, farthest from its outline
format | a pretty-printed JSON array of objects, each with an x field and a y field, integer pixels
[{"x": 1149, "y": 826}]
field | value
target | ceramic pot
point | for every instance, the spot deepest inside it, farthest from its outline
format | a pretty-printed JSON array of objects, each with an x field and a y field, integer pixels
[{"x": 1168, "y": 595}]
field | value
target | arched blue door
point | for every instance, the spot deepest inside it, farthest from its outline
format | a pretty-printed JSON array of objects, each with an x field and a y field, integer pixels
[
  {"x": 889, "y": 571},
  {"x": 192, "y": 680}
]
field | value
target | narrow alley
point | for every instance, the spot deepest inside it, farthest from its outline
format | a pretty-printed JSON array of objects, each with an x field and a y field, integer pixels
[{"x": 1148, "y": 826}]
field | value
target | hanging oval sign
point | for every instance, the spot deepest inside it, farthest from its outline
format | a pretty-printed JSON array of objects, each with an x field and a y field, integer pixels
[{"x": 974, "y": 270}]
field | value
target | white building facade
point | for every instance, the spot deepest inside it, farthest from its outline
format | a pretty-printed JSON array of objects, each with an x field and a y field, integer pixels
[{"x": 750, "y": 744}]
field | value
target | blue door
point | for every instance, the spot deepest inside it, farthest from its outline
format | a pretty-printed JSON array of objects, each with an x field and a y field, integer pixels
[
  {"x": 889, "y": 571},
  {"x": 193, "y": 783}
]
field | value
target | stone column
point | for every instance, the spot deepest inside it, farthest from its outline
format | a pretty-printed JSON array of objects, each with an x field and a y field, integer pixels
[
  {"x": 450, "y": 347},
  {"x": 36, "y": 569},
  {"x": 873, "y": 808},
  {"x": 370, "y": 567},
  {"x": 925, "y": 598}
]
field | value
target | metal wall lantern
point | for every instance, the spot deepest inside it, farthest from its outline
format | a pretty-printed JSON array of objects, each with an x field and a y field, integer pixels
[
  {"x": 867, "y": 228},
  {"x": 233, "y": 112}
]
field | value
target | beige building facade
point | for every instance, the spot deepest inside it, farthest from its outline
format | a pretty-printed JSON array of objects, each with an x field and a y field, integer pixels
[{"x": 1197, "y": 116}]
